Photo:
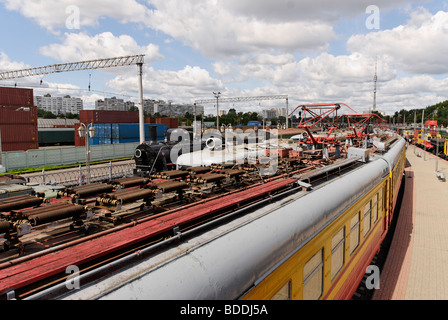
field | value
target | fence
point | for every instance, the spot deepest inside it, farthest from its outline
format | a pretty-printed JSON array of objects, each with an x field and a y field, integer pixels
[
  {"x": 70, "y": 177},
  {"x": 65, "y": 156}
]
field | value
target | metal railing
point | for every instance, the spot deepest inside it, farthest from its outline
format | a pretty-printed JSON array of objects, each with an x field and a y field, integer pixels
[{"x": 70, "y": 177}]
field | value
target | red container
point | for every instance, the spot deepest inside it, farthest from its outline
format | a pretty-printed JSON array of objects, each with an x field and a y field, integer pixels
[
  {"x": 16, "y": 97},
  {"x": 18, "y": 127},
  {"x": 104, "y": 116},
  {"x": 79, "y": 142},
  {"x": 19, "y": 146},
  {"x": 18, "y": 115},
  {"x": 18, "y": 133},
  {"x": 174, "y": 123},
  {"x": 171, "y": 123}
]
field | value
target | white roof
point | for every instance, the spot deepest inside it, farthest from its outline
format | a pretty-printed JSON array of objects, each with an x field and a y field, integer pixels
[{"x": 50, "y": 123}]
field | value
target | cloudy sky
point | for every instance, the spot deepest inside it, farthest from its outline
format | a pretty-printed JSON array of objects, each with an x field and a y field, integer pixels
[{"x": 314, "y": 51}]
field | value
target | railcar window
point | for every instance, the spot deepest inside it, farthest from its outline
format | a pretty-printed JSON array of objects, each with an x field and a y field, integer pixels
[
  {"x": 367, "y": 217},
  {"x": 284, "y": 293},
  {"x": 313, "y": 277},
  {"x": 354, "y": 233},
  {"x": 375, "y": 207},
  {"x": 337, "y": 252}
]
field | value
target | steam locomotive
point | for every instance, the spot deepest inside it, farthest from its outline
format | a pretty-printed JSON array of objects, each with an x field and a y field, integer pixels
[{"x": 161, "y": 156}]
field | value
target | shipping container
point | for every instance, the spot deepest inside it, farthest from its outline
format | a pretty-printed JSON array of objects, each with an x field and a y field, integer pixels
[
  {"x": 128, "y": 131},
  {"x": 19, "y": 133},
  {"x": 107, "y": 129},
  {"x": 79, "y": 142},
  {"x": 161, "y": 131},
  {"x": 129, "y": 140},
  {"x": 18, "y": 127},
  {"x": 16, "y": 97},
  {"x": 171, "y": 123},
  {"x": 93, "y": 141},
  {"x": 105, "y": 116},
  {"x": 18, "y": 115},
  {"x": 19, "y": 146},
  {"x": 106, "y": 133},
  {"x": 115, "y": 131}
]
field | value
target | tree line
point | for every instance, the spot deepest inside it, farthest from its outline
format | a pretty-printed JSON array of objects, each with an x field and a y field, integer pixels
[
  {"x": 41, "y": 113},
  {"x": 437, "y": 112}
]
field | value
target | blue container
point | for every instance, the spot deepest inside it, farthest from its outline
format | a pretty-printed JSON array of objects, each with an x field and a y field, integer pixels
[
  {"x": 161, "y": 130},
  {"x": 115, "y": 131},
  {"x": 93, "y": 141},
  {"x": 128, "y": 131},
  {"x": 132, "y": 131},
  {"x": 129, "y": 140},
  {"x": 107, "y": 127},
  {"x": 99, "y": 130}
]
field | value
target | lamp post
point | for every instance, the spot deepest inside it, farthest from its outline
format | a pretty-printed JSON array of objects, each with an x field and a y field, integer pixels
[
  {"x": 86, "y": 132},
  {"x": 217, "y": 108}
]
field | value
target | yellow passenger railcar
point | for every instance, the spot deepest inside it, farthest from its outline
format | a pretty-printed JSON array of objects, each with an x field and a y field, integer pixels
[{"x": 332, "y": 264}]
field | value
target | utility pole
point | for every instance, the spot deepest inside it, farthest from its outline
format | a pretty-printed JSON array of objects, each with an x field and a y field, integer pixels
[
  {"x": 217, "y": 108},
  {"x": 141, "y": 115},
  {"x": 2, "y": 168},
  {"x": 375, "y": 78}
]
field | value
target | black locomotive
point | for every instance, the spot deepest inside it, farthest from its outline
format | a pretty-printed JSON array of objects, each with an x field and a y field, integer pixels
[{"x": 156, "y": 156}]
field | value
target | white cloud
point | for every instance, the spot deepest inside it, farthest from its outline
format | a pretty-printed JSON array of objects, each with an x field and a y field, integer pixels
[
  {"x": 53, "y": 14},
  {"x": 253, "y": 46},
  {"x": 184, "y": 85},
  {"x": 305, "y": 10},
  {"x": 420, "y": 46},
  {"x": 216, "y": 32},
  {"x": 80, "y": 46},
  {"x": 6, "y": 64},
  {"x": 344, "y": 69}
]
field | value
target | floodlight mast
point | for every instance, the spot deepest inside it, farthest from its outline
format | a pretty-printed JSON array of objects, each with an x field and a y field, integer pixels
[{"x": 89, "y": 65}]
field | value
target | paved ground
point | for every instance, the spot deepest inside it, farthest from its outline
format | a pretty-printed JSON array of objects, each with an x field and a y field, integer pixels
[{"x": 417, "y": 263}]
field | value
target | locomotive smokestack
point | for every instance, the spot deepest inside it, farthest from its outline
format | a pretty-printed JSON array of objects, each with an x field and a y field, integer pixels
[{"x": 152, "y": 134}]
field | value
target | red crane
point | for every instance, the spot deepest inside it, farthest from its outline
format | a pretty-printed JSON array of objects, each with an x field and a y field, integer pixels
[
  {"x": 359, "y": 123},
  {"x": 319, "y": 113}
]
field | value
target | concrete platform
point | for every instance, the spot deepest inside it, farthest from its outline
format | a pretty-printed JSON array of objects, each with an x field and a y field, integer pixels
[{"x": 416, "y": 267}]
